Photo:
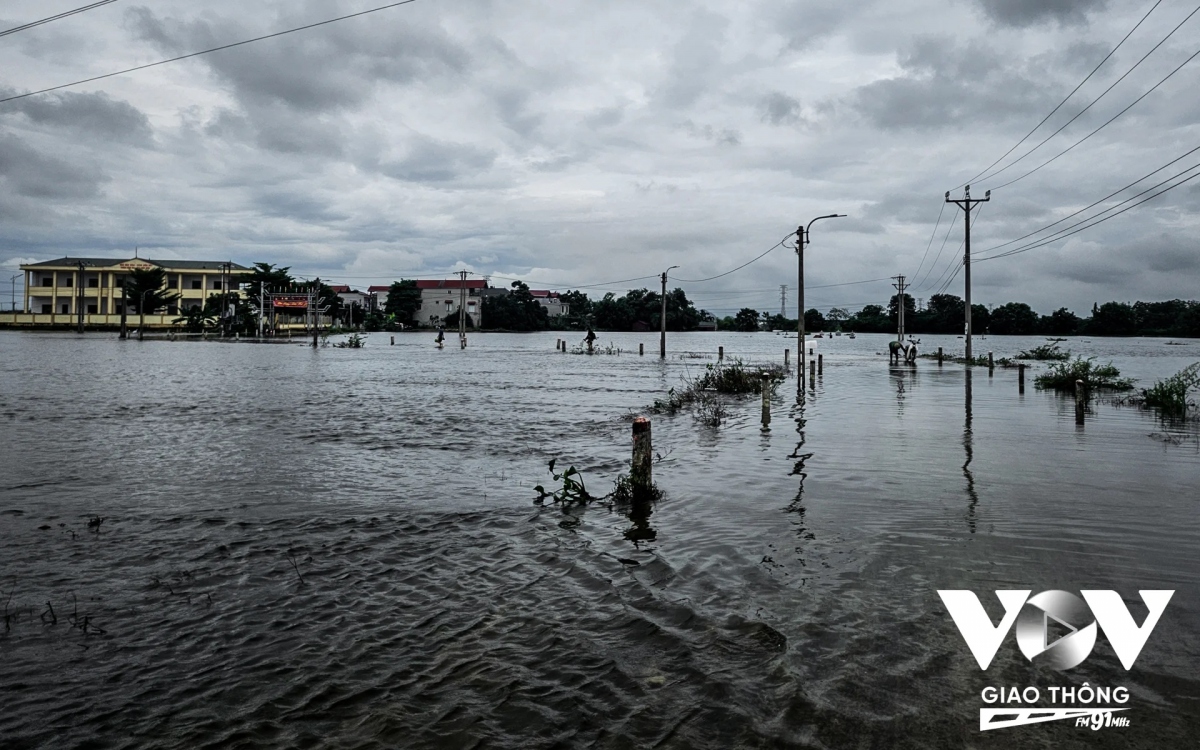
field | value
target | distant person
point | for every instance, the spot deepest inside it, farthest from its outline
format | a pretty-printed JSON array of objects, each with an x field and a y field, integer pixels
[
  {"x": 590, "y": 338},
  {"x": 441, "y": 337}
]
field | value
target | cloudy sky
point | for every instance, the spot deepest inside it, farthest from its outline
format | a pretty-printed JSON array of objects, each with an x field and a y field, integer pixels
[{"x": 575, "y": 143}]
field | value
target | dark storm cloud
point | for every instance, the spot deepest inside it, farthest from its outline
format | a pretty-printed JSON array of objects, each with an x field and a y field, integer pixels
[
  {"x": 309, "y": 71},
  {"x": 430, "y": 160},
  {"x": 91, "y": 116},
  {"x": 780, "y": 109},
  {"x": 31, "y": 173},
  {"x": 946, "y": 84},
  {"x": 1023, "y": 13}
]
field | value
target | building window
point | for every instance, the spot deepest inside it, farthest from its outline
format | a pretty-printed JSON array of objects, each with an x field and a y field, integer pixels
[
  {"x": 66, "y": 308},
  {"x": 47, "y": 281},
  {"x": 92, "y": 310},
  {"x": 197, "y": 284},
  {"x": 216, "y": 284},
  {"x": 45, "y": 309},
  {"x": 93, "y": 283},
  {"x": 65, "y": 281}
]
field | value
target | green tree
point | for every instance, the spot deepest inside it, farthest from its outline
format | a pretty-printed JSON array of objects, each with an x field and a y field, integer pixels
[
  {"x": 1113, "y": 319},
  {"x": 814, "y": 320},
  {"x": 265, "y": 276},
  {"x": 872, "y": 319},
  {"x": 1013, "y": 319},
  {"x": 403, "y": 300},
  {"x": 515, "y": 311},
  {"x": 1061, "y": 322},
  {"x": 746, "y": 320},
  {"x": 145, "y": 288}
]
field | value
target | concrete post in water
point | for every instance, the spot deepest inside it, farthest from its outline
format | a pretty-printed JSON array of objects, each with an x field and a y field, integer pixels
[
  {"x": 642, "y": 349},
  {"x": 1080, "y": 402},
  {"x": 991, "y": 363},
  {"x": 812, "y": 368},
  {"x": 787, "y": 353},
  {"x": 640, "y": 474},
  {"x": 939, "y": 355},
  {"x": 393, "y": 341},
  {"x": 766, "y": 397},
  {"x": 1021, "y": 378},
  {"x": 720, "y": 353},
  {"x": 820, "y": 364}
]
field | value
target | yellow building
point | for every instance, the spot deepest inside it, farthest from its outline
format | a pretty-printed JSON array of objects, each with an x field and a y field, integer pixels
[{"x": 57, "y": 291}]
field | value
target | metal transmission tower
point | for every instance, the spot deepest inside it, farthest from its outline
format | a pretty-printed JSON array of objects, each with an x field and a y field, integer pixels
[
  {"x": 900, "y": 287},
  {"x": 783, "y": 300},
  {"x": 966, "y": 203}
]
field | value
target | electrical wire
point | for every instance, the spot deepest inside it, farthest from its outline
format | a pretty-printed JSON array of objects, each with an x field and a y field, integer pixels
[
  {"x": 1106, "y": 124},
  {"x": 757, "y": 258},
  {"x": 1062, "y": 234},
  {"x": 205, "y": 52},
  {"x": 962, "y": 242},
  {"x": 932, "y": 236},
  {"x": 1073, "y": 92},
  {"x": 1096, "y": 203},
  {"x": 918, "y": 285},
  {"x": 32, "y": 24}
]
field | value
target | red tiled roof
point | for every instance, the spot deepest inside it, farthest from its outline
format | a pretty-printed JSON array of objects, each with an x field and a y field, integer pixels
[
  {"x": 374, "y": 289},
  {"x": 451, "y": 284},
  {"x": 543, "y": 293},
  {"x": 340, "y": 289}
]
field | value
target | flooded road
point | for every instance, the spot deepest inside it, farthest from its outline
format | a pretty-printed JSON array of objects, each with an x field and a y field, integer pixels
[{"x": 339, "y": 548}]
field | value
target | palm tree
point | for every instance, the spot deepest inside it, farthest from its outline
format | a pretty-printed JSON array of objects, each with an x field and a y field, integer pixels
[{"x": 146, "y": 288}]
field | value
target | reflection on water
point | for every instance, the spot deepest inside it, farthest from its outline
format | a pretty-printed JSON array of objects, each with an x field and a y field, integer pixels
[
  {"x": 781, "y": 593},
  {"x": 969, "y": 448}
]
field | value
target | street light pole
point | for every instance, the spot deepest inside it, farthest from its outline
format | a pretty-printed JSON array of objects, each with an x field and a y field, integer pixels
[
  {"x": 662, "y": 341},
  {"x": 803, "y": 237},
  {"x": 13, "y": 281}
]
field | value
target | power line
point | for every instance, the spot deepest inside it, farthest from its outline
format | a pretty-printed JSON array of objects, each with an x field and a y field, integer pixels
[
  {"x": 933, "y": 265},
  {"x": 1096, "y": 203},
  {"x": 1106, "y": 123},
  {"x": 932, "y": 235},
  {"x": 1062, "y": 234},
  {"x": 32, "y": 24},
  {"x": 205, "y": 52},
  {"x": 1064, "y": 101},
  {"x": 757, "y": 258}
]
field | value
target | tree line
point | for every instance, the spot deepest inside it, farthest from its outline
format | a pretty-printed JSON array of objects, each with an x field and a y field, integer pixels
[{"x": 944, "y": 314}]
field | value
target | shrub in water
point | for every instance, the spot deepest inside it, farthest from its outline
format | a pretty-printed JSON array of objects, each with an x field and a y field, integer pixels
[
  {"x": 1045, "y": 352},
  {"x": 1062, "y": 376},
  {"x": 1171, "y": 394}
]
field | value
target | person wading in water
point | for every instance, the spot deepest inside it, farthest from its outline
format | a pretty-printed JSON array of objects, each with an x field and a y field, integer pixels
[
  {"x": 441, "y": 337},
  {"x": 590, "y": 338}
]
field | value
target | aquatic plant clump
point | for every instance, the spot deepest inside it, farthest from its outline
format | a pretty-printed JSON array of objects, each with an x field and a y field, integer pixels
[
  {"x": 980, "y": 361},
  {"x": 1045, "y": 352},
  {"x": 1170, "y": 395},
  {"x": 736, "y": 378},
  {"x": 356, "y": 341},
  {"x": 1062, "y": 376},
  {"x": 572, "y": 491}
]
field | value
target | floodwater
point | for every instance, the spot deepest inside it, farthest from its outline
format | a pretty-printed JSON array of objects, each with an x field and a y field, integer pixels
[{"x": 339, "y": 548}]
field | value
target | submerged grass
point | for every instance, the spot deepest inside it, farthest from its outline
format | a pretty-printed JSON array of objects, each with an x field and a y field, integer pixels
[
  {"x": 1062, "y": 376},
  {"x": 703, "y": 394}
]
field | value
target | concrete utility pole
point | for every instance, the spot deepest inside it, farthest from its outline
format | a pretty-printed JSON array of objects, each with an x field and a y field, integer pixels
[
  {"x": 803, "y": 237},
  {"x": 966, "y": 204},
  {"x": 13, "y": 281},
  {"x": 79, "y": 297},
  {"x": 662, "y": 340},
  {"x": 901, "y": 286},
  {"x": 261, "y": 304},
  {"x": 462, "y": 310}
]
